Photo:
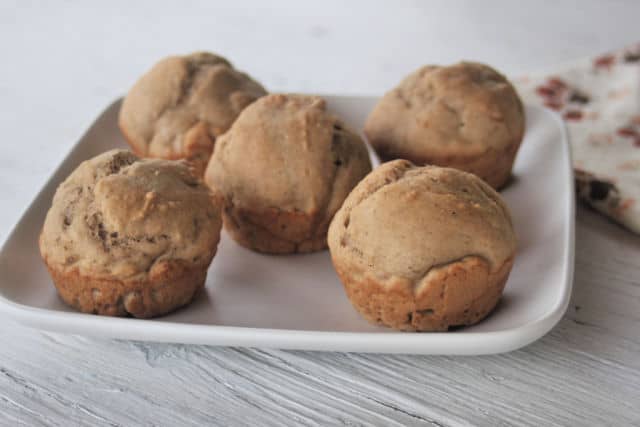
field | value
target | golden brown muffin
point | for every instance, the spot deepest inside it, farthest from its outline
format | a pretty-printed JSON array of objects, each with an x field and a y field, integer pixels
[
  {"x": 129, "y": 236},
  {"x": 179, "y": 107},
  {"x": 466, "y": 116},
  {"x": 422, "y": 248},
  {"x": 283, "y": 170}
]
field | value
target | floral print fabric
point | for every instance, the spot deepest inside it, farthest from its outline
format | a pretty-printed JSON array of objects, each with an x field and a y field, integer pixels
[{"x": 599, "y": 100}]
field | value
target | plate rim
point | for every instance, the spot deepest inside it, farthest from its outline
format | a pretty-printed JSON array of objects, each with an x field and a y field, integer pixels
[{"x": 158, "y": 330}]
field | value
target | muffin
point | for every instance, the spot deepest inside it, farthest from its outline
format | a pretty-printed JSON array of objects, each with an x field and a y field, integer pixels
[
  {"x": 422, "y": 248},
  {"x": 126, "y": 236},
  {"x": 179, "y": 108},
  {"x": 465, "y": 116},
  {"x": 283, "y": 170}
]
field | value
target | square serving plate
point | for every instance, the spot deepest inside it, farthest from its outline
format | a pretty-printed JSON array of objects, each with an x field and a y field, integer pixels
[{"x": 297, "y": 302}]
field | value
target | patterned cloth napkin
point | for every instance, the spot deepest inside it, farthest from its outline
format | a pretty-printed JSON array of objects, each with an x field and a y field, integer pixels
[{"x": 599, "y": 100}]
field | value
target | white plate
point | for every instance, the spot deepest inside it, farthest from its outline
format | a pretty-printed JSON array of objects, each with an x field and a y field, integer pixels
[{"x": 297, "y": 302}]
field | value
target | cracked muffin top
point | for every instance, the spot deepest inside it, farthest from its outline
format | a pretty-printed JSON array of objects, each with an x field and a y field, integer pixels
[
  {"x": 179, "y": 107},
  {"x": 403, "y": 220},
  {"x": 118, "y": 216},
  {"x": 462, "y": 110},
  {"x": 288, "y": 152}
]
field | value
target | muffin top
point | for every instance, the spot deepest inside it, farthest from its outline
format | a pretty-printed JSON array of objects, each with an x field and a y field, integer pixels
[
  {"x": 402, "y": 220},
  {"x": 201, "y": 94},
  {"x": 461, "y": 110},
  {"x": 288, "y": 152},
  {"x": 117, "y": 215}
]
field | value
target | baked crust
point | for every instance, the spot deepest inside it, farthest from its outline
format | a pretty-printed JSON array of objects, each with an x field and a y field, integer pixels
[
  {"x": 494, "y": 166},
  {"x": 197, "y": 148},
  {"x": 179, "y": 107},
  {"x": 274, "y": 231},
  {"x": 168, "y": 286},
  {"x": 283, "y": 170},
  {"x": 466, "y": 116},
  {"x": 460, "y": 293},
  {"x": 422, "y": 248}
]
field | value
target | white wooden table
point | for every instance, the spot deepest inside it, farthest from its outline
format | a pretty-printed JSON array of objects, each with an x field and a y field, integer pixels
[{"x": 62, "y": 63}]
